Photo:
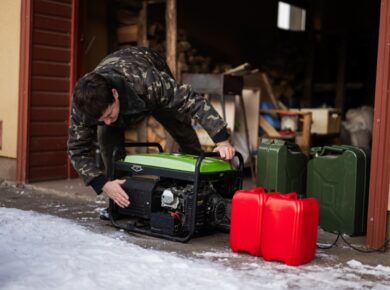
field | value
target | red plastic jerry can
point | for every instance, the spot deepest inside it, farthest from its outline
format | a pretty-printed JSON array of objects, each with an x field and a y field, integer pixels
[
  {"x": 247, "y": 219},
  {"x": 290, "y": 230}
]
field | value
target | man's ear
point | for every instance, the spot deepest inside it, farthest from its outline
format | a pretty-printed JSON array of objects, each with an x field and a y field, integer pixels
[{"x": 115, "y": 93}]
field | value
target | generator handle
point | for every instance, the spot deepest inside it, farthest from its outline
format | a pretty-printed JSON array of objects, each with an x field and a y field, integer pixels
[
  {"x": 120, "y": 147},
  {"x": 201, "y": 157},
  {"x": 216, "y": 154},
  {"x": 240, "y": 163},
  {"x": 240, "y": 168}
]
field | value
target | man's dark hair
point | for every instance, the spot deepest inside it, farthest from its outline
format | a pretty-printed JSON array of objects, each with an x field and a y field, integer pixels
[{"x": 92, "y": 95}]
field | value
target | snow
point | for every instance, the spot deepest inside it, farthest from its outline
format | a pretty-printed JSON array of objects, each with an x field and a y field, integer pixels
[{"x": 44, "y": 252}]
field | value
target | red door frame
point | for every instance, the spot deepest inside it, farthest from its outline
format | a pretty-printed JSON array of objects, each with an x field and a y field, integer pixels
[
  {"x": 24, "y": 89},
  {"x": 380, "y": 158},
  {"x": 73, "y": 67},
  {"x": 24, "y": 85}
]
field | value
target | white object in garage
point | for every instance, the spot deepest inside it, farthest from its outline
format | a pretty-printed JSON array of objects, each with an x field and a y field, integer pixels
[{"x": 325, "y": 120}]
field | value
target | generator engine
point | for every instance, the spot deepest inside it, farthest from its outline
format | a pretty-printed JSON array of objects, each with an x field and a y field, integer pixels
[
  {"x": 168, "y": 205},
  {"x": 177, "y": 201}
]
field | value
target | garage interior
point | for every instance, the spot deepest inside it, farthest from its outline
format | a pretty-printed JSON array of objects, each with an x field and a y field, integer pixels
[{"x": 327, "y": 58}]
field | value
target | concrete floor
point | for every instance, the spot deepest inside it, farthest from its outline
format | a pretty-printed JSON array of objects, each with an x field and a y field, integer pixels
[{"x": 70, "y": 199}]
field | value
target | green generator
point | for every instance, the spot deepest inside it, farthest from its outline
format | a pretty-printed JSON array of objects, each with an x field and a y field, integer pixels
[
  {"x": 281, "y": 166},
  {"x": 174, "y": 195},
  {"x": 338, "y": 178}
]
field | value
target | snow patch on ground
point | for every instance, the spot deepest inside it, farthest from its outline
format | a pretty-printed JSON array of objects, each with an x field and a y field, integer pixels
[{"x": 45, "y": 252}]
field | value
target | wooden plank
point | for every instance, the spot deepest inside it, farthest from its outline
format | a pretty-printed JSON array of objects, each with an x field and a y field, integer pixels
[
  {"x": 51, "y": 84},
  {"x": 252, "y": 102},
  {"x": 60, "y": 9},
  {"x": 39, "y": 98},
  {"x": 171, "y": 35},
  {"x": 52, "y": 69},
  {"x": 245, "y": 123},
  {"x": 267, "y": 127},
  {"x": 50, "y": 54},
  {"x": 309, "y": 70},
  {"x": 341, "y": 72},
  {"x": 51, "y": 38},
  {"x": 40, "y": 159},
  {"x": 171, "y": 42},
  {"x": 41, "y": 144},
  {"x": 306, "y": 135},
  {"x": 239, "y": 69},
  {"x": 230, "y": 109},
  {"x": 269, "y": 90},
  {"x": 48, "y": 129},
  {"x": 52, "y": 23},
  {"x": 143, "y": 26},
  {"x": 47, "y": 173},
  {"x": 49, "y": 114}
]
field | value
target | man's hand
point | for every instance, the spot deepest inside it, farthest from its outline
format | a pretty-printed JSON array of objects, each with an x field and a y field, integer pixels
[
  {"x": 114, "y": 191},
  {"x": 225, "y": 149}
]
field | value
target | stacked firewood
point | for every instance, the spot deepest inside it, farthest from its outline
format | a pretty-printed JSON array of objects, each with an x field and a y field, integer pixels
[
  {"x": 127, "y": 27},
  {"x": 189, "y": 60}
]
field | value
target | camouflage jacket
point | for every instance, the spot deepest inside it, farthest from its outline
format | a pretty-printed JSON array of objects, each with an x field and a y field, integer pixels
[{"x": 145, "y": 84}]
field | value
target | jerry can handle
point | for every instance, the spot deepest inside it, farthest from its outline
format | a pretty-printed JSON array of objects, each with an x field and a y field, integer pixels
[
  {"x": 291, "y": 195},
  {"x": 293, "y": 147},
  {"x": 330, "y": 149},
  {"x": 288, "y": 196}
]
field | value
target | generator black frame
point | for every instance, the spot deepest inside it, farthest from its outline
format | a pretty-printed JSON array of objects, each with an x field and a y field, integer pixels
[{"x": 195, "y": 177}]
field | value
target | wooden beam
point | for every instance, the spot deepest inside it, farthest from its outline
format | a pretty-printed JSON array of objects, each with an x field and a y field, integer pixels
[
  {"x": 171, "y": 40},
  {"x": 268, "y": 128},
  {"x": 380, "y": 155},
  {"x": 142, "y": 128},
  {"x": 341, "y": 71},
  {"x": 143, "y": 25},
  {"x": 267, "y": 85},
  {"x": 306, "y": 135},
  {"x": 171, "y": 36}
]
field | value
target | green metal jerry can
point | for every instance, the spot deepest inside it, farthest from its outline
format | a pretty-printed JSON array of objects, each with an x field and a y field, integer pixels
[
  {"x": 281, "y": 166},
  {"x": 338, "y": 178}
]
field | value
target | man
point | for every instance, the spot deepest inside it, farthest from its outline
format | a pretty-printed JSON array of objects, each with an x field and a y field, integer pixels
[{"x": 127, "y": 86}]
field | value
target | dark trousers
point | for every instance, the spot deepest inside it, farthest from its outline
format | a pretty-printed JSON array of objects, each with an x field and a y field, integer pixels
[{"x": 178, "y": 125}]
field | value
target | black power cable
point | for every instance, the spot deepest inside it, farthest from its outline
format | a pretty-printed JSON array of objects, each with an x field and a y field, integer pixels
[
  {"x": 329, "y": 246},
  {"x": 380, "y": 249}
]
